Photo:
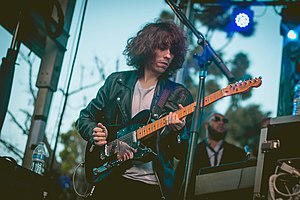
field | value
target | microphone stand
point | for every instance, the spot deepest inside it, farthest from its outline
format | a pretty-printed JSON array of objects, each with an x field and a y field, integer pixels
[
  {"x": 198, "y": 113},
  {"x": 7, "y": 73}
]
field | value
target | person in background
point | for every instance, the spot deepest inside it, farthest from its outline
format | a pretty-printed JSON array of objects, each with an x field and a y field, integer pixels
[
  {"x": 214, "y": 150},
  {"x": 155, "y": 53}
]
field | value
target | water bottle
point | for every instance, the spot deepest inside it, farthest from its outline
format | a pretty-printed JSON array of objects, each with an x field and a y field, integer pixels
[
  {"x": 296, "y": 102},
  {"x": 39, "y": 157}
]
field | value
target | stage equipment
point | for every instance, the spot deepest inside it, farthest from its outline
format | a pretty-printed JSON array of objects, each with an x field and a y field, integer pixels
[
  {"x": 228, "y": 181},
  {"x": 279, "y": 143},
  {"x": 20, "y": 183}
]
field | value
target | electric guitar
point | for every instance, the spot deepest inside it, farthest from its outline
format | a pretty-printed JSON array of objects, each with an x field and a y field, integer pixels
[{"x": 102, "y": 162}]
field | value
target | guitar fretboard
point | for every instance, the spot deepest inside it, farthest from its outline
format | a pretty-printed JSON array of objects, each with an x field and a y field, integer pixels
[
  {"x": 162, "y": 122},
  {"x": 238, "y": 87}
]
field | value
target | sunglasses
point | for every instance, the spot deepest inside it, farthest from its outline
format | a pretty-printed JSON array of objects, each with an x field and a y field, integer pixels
[{"x": 217, "y": 119}]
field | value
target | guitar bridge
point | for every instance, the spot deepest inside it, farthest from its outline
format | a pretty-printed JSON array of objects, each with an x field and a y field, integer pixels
[
  {"x": 110, "y": 149},
  {"x": 115, "y": 146}
]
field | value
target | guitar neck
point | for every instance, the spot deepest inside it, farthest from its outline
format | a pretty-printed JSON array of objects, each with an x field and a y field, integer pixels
[
  {"x": 162, "y": 122},
  {"x": 231, "y": 89}
]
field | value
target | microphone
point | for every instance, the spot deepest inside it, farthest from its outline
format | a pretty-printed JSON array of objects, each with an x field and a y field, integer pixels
[
  {"x": 248, "y": 151},
  {"x": 211, "y": 55}
]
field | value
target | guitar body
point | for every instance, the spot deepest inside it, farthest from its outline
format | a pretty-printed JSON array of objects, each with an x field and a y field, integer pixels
[{"x": 102, "y": 162}]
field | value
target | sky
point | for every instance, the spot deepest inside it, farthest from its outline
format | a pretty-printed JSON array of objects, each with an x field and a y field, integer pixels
[{"x": 107, "y": 26}]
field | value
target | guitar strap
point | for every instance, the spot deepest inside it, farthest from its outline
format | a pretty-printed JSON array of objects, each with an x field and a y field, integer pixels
[{"x": 165, "y": 94}]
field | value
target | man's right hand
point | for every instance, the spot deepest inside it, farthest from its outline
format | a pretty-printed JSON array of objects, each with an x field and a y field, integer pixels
[
  {"x": 100, "y": 134},
  {"x": 126, "y": 151}
]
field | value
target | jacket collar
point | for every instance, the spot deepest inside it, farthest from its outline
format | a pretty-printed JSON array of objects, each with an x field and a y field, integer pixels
[{"x": 128, "y": 79}]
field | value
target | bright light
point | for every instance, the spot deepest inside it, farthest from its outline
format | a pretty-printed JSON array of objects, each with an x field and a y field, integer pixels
[
  {"x": 242, "y": 20},
  {"x": 292, "y": 35}
]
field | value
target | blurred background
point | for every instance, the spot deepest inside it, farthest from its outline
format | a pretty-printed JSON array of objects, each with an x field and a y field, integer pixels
[{"x": 57, "y": 54}]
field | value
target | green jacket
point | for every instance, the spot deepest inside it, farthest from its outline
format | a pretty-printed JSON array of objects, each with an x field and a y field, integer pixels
[{"x": 112, "y": 106}]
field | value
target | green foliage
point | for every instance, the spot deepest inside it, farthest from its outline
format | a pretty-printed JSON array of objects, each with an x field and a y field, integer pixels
[
  {"x": 73, "y": 152},
  {"x": 245, "y": 124},
  {"x": 240, "y": 64},
  {"x": 214, "y": 18},
  {"x": 165, "y": 15}
]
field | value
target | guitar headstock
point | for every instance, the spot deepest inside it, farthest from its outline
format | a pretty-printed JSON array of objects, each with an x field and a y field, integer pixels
[{"x": 242, "y": 86}]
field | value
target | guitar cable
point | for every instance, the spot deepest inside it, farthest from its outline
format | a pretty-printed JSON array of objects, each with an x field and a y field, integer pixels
[
  {"x": 284, "y": 173},
  {"x": 86, "y": 194}
]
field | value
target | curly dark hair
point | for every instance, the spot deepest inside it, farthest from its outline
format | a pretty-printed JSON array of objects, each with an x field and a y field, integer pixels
[{"x": 157, "y": 35}]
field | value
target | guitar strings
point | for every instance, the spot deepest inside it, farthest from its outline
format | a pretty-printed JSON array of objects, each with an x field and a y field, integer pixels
[
  {"x": 160, "y": 124},
  {"x": 128, "y": 138}
]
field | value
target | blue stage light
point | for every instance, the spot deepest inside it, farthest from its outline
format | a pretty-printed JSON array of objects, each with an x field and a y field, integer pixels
[
  {"x": 292, "y": 35},
  {"x": 290, "y": 24},
  {"x": 242, "y": 20},
  {"x": 243, "y": 17}
]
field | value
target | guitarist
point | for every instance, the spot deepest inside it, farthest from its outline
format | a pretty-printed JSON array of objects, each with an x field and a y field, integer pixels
[{"x": 155, "y": 53}]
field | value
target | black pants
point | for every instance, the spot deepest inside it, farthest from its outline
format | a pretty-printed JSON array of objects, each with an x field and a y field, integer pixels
[{"x": 123, "y": 188}]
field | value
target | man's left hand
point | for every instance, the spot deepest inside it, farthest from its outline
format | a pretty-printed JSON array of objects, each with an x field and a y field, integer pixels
[{"x": 173, "y": 122}]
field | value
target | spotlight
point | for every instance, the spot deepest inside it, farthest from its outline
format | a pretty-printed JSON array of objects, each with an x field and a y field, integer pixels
[
  {"x": 241, "y": 21},
  {"x": 290, "y": 24},
  {"x": 292, "y": 35},
  {"x": 243, "y": 17}
]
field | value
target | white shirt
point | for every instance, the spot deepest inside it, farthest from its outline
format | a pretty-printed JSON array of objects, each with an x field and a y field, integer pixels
[
  {"x": 211, "y": 155},
  {"x": 142, "y": 99}
]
